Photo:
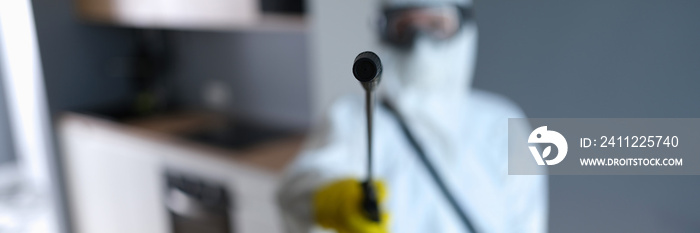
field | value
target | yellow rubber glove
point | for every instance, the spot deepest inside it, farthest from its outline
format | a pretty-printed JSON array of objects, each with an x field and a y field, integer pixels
[{"x": 337, "y": 206}]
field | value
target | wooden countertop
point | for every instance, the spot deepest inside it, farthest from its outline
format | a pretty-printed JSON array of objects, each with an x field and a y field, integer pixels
[{"x": 272, "y": 156}]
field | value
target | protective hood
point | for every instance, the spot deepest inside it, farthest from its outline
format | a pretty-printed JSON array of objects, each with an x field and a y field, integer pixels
[{"x": 429, "y": 83}]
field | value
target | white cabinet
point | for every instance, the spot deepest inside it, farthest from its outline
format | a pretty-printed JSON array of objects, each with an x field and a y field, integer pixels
[
  {"x": 187, "y": 14},
  {"x": 169, "y": 13},
  {"x": 116, "y": 176}
]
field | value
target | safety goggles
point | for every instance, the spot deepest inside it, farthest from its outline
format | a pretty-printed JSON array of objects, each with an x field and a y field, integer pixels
[{"x": 401, "y": 26}]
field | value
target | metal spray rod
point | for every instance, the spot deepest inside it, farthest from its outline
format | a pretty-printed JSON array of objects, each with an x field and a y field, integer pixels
[{"x": 367, "y": 69}]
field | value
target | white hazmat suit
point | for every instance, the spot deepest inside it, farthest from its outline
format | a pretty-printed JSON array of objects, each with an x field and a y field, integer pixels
[{"x": 463, "y": 132}]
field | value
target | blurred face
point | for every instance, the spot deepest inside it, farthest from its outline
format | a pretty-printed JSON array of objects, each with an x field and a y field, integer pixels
[
  {"x": 429, "y": 52},
  {"x": 401, "y": 26}
]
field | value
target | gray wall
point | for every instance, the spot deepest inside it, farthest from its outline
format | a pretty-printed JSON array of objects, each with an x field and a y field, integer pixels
[
  {"x": 265, "y": 72},
  {"x": 80, "y": 61},
  {"x": 619, "y": 58}
]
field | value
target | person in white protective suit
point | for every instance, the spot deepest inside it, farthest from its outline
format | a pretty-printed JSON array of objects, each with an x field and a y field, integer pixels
[{"x": 428, "y": 50}]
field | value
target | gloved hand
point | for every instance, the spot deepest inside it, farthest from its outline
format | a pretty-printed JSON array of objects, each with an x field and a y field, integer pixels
[{"x": 337, "y": 205}]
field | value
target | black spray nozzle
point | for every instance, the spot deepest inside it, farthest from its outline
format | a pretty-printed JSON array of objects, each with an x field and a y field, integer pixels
[{"x": 367, "y": 69}]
